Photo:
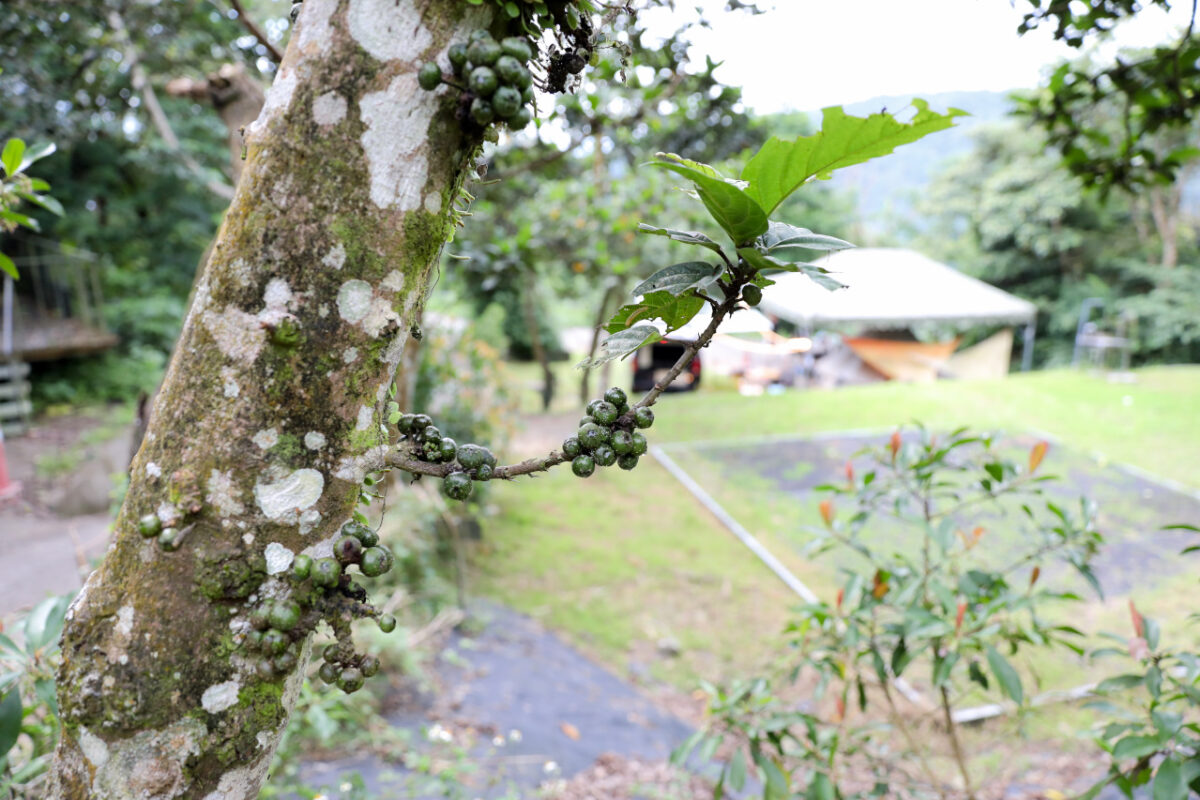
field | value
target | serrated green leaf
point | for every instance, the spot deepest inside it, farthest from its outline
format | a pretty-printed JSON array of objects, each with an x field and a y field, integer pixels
[
  {"x": 10, "y": 720},
  {"x": 1008, "y": 678},
  {"x": 781, "y": 166},
  {"x": 10, "y": 158},
  {"x": 621, "y": 344},
  {"x": 686, "y": 237},
  {"x": 678, "y": 278},
  {"x": 782, "y": 236},
  {"x": 732, "y": 208},
  {"x": 7, "y": 265},
  {"x": 674, "y": 311}
]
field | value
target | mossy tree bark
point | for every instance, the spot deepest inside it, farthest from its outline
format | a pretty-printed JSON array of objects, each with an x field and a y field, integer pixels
[{"x": 271, "y": 410}]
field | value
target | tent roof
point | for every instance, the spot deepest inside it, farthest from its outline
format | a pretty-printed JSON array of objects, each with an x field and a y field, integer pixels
[
  {"x": 746, "y": 320},
  {"x": 891, "y": 288}
]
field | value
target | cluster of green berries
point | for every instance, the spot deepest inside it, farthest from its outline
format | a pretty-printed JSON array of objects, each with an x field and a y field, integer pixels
[
  {"x": 499, "y": 85},
  {"x": 471, "y": 462},
  {"x": 607, "y": 435},
  {"x": 151, "y": 527},
  {"x": 323, "y": 588}
]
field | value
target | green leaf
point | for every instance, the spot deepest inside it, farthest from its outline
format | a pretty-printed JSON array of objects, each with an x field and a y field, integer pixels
[
  {"x": 44, "y": 623},
  {"x": 20, "y": 219},
  {"x": 782, "y": 236},
  {"x": 1009, "y": 680},
  {"x": 776, "y": 782},
  {"x": 1168, "y": 781},
  {"x": 820, "y": 788},
  {"x": 678, "y": 278},
  {"x": 761, "y": 261},
  {"x": 942, "y": 667},
  {"x": 1120, "y": 682},
  {"x": 14, "y": 151},
  {"x": 44, "y": 200},
  {"x": 10, "y": 721},
  {"x": 737, "y": 771},
  {"x": 780, "y": 166},
  {"x": 1135, "y": 747},
  {"x": 734, "y": 211},
  {"x": 7, "y": 265},
  {"x": 36, "y": 153},
  {"x": 674, "y": 311},
  {"x": 621, "y": 344},
  {"x": 687, "y": 237}
]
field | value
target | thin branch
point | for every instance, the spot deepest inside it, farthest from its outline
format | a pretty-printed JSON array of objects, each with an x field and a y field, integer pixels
[
  {"x": 956, "y": 746},
  {"x": 249, "y": 24}
]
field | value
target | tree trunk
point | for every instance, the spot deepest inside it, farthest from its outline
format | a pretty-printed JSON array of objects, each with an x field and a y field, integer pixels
[
  {"x": 535, "y": 342},
  {"x": 271, "y": 409},
  {"x": 1165, "y": 202}
]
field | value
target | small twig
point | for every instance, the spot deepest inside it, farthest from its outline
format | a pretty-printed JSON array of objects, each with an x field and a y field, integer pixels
[
  {"x": 249, "y": 24},
  {"x": 952, "y": 733}
]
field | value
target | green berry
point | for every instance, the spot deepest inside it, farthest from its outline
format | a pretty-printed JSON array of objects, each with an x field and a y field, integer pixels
[
  {"x": 387, "y": 623},
  {"x": 478, "y": 34},
  {"x": 605, "y": 413},
  {"x": 591, "y": 407},
  {"x": 457, "y": 55},
  {"x": 253, "y": 640},
  {"x": 616, "y": 396},
  {"x": 260, "y": 618},
  {"x": 368, "y": 537},
  {"x": 429, "y": 77},
  {"x": 430, "y": 433},
  {"x": 484, "y": 51},
  {"x": 265, "y": 669},
  {"x": 643, "y": 417},
  {"x": 457, "y": 485},
  {"x": 583, "y": 466},
  {"x": 169, "y": 539},
  {"x": 627, "y": 461},
  {"x": 509, "y": 69},
  {"x": 484, "y": 473},
  {"x": 369, "y": 666},
  {"x": 640, "y": 445},
  {"x": 284, "y": 662},
  {"x": 517, "y": 47},
  {"x": 506, "y": 101},
  {"x": 374, "y": 562},
  {"x": 325, "y": 572},
  {"x": 275, "y": 642},
  {"x": 752, "y": 295},
  {"x": 302, "y": 567},
  {"x": 405, "y": 424},
  {"x": 571, "y": 447},
  {"x": 472, "y": 456},
  {"x": 449, "y": 449},
  {"x": 285, "y": 615},
  {"x": 527, "y": 95},
  {"x": 591, "y": 436},
  {"x": 482, "y": 111},
  {"x": 622, "y": 442},
  {"x": 605, "y": 456},
  {"x": 328, "y": 672},
  {"x": 421, "y": 422},
  {"x": 332, "y": 653},
  {"x": 348, "y": 550},
  {"x": 483, "y": 81},
  {"x": 520, "y": 119},
  {"x": 351, "y": 680},
  {"x": 149, "y": 525}
]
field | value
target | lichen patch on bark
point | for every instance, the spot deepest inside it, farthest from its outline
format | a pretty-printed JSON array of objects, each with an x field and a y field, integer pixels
[
  {"x": 283, "y": 500},
  {"x": 394, "y": 143}
]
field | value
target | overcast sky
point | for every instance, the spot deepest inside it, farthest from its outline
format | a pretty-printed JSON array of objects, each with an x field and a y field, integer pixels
[{"x": 807, "y": 54}]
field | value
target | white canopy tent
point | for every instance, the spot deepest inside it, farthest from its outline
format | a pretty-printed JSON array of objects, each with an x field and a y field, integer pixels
[{"x": 894, "y": 288}]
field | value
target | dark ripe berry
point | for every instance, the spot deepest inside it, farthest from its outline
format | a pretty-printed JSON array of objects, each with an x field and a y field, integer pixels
[
  {"x": 508, "y": 69},
  {"x": 430, "y": 433},
  {"x": 429, "y": 77},
  {"x": 605, "y": 456},
  {"x": 616, "y": 396},
  {"x": 328, "y": 672},
  {"x": 387, "y": 623},
  {"x": 520, "y": 119},
  {"x": 605, "y": 413},
  {"x": 260, "y": 618},
  {"x": 275, "y": 642},
  {"x": 457, "y": 485},
  {"x": 332, "y": 653},
  {"x": 347, "y": 550},
  {"x": 483, "y": 81},
  {"x": 506, "y": 101},
  {"x": 571, "y": 447},
  {"x": 169, "y": 539},
  {"x": 643, "y": 417},
  {"x": 284, "y": 662},
  {"x": 752, "y": 295},
  {"x": 591, "y": 436},
  {"x": 149, "y": 525},
  {"x": 350, "y": 680},
  {"x": 449, "y": 449},
  {"x": 516, "y": 47},
  {"x": 405, "y": 424},
  {"x": 484, "y": 473},
  {"x": 457, "y": 55},
  {"x": 374, "y": 562},
  {"x": 583, "y": 466},
  {"x": 484, "y": 52},
  {"x": 369, "y": 666},
  {"x": 421, "y": 422},
  {"x": 302, "y": 567},
  {"x": 265, "y": 669},
  {"x": 627, "y": 461},
  {"x": 325, "y": 572},
  {"x": 482, "y": 111},
  {"x": 639, "y": 444},
  {"x": 472, "y": 456},
  {"x": 622, "y": 442},
  {"x": 591, "y": 407},
  {"x": 285, "y": 615}
]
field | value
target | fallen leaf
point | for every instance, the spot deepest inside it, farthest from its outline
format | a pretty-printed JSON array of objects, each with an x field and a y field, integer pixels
[{"x": 570, "y": 730}]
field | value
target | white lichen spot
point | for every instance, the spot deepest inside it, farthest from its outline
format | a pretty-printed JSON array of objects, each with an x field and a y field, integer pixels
[
  {"x": 355, "y": 468},
  {"x": 277, "y": 302},
  {"x": 153, "y": 470},
  {"x": 266, "y": 439},
  {"x": 223, "y": 495},
  {"x": 364, "y": 418},
  {"x": 396, "y": 135},
  {"x": 239, "y": 272},
  {"x": 284, "y": 499},
  {"x": 93, "y": 747},
  {"x": 393, "y": 281},
  {"x": 279, "y": 97},
  {"x": 354, "y": 300},
  {"x": 278, "y": 558},
  {"x": 248, "y": 538},
  {"x": 389, "y": 30},
  {"x": 309, "y": 520},
  {"x": 323, "y": 310},
  {"x": 166, "y": 512},
  {"x": 312, "y": 26},
  {"x": 263, "y": 738},
  {"x": 335, "y": 259},
  {"x": 220, "y": 696},
  {"x": 124, "y": 626},
  {"x": 238, "y": 335},
  {"x": 150, "y": 763},
  {"x": 229, "y": 383},
  {"x": 314, "y": 440},
  {"x": 378, "y": 317},
  {"x": 349, "y": 355},
  {"x": 329, "y": 108},
  {"x": 433, "y": 202}
]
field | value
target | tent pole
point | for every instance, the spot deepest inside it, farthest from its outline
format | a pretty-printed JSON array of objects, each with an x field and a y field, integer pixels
[{"x": 1027, "y": 335}]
